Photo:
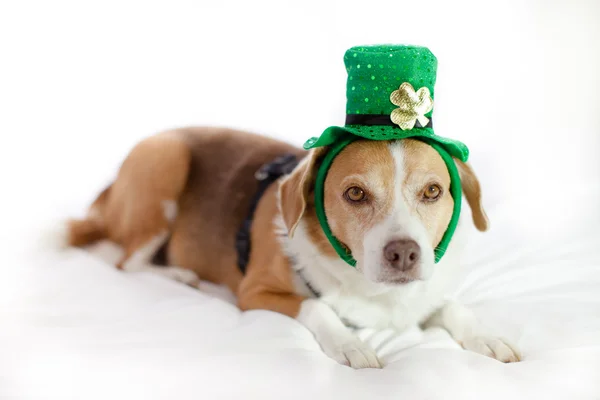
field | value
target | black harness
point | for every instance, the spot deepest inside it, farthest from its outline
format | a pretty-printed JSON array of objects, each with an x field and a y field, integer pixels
[{"x": 265, "y": 176}]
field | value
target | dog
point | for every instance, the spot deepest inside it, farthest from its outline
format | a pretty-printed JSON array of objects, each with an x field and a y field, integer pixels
[{"x": 185, "y": 193}]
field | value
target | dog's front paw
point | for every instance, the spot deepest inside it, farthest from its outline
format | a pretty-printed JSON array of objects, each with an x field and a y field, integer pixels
[
  {"x": 492, "y": 347},
  {"x": 355, "y": 354}
]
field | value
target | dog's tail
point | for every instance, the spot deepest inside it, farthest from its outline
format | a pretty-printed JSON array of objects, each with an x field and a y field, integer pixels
[{"x": 81, "y": 232}]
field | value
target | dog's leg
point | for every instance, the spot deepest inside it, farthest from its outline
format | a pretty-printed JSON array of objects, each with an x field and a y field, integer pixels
[
  {"x": 139, "y": 260},
  {"x": 336, "y": 340},
  {"x": 464, "y": 327}
]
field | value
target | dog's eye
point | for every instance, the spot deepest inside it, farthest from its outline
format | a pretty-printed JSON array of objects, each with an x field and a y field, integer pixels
[
  {"x": 432, "y": 192},
  {"x": 355, "y": 194}
]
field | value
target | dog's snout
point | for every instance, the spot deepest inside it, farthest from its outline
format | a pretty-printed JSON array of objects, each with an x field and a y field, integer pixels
[{"x": 402, "y": 254}]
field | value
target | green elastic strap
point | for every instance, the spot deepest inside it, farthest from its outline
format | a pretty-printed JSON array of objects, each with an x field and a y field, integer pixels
[
  {"x": 334, "y": 150},
  {"x": 341, "y": 250},
  {"x": 455, "y": 192}
]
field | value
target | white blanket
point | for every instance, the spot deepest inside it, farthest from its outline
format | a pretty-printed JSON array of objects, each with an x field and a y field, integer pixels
[
  {"x": 81, "y": 82},
  {"x": 74, "y": 327}
]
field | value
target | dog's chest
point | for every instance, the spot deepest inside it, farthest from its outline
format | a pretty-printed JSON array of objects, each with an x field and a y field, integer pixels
[
  {"x": 364, "y": 306},
  {"x": 362, "y": 303}
]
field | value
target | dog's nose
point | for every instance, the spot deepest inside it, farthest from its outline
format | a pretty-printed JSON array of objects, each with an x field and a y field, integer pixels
[{"x": 402, "y": 254}]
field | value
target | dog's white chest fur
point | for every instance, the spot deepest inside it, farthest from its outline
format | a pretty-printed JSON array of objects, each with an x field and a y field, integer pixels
[{"x": 364, "y": 304}]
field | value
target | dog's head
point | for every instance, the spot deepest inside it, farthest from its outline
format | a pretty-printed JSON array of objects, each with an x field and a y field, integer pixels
[{"x": 388, "y": 202}]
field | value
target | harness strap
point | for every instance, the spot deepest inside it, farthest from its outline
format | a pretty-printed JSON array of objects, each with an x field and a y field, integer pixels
[{"x": 265, "y": 176}]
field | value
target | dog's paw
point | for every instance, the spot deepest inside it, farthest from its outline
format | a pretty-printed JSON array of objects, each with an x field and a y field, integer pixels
[
  {"x": 492, "y": 347},
  {"x": 355, "y": 354},
  {"x": 175, "y": 273},
  {"x": 182, "y": 275}
]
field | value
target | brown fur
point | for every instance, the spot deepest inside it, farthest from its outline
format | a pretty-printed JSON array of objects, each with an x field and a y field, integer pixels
[
  {"x": 472, "y": 189},
  {"x": 366, "y": 164},
  {"x": 296, "y": 193},
  {"x": 268, "y": 283},
  {"x": 209, "y": 173},
  {"x": 423, "y": 165},
  {"x": 85, "y": 231},
  {"x": 92, "y": 228},
  {"x": 295, "y": 190}
]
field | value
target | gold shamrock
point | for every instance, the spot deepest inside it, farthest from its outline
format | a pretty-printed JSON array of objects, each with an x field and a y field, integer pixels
[{"x": 412, "y": 106}]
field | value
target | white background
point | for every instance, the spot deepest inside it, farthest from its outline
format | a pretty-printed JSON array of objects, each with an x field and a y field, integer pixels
[{"x": 81, "y": 82}]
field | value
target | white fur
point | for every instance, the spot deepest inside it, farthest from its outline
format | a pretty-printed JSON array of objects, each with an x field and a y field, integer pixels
[
  {"x": 463, "y": 326},
  {"x": 358, "y": 299},
  {"x": 142, "y": 256},
  {"x": 362, "y": 302},
  {"x": 140, "y": 261},
  {"x": 336, "y": 340},
  {"x": 170, "y": 209}
]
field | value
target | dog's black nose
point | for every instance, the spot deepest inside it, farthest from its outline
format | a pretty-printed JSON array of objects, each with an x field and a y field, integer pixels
[{"x": 402, "y": 254}]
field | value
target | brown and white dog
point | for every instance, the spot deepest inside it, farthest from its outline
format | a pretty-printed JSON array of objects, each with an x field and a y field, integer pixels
[{"x": 186, "y": 192}]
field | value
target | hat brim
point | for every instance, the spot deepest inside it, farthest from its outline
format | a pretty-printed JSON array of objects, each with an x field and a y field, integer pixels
[{"x": 387, "y": 132}]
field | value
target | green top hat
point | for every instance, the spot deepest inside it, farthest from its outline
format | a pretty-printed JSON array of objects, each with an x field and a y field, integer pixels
[{"x": 389, "y": 92}]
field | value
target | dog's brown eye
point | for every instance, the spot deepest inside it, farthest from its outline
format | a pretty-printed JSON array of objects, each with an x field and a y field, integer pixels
[
  {"x": 432, "y": 192},
  {"x": 355, "y": 194}
]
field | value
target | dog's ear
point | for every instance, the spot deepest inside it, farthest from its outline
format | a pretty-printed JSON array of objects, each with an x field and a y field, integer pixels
[
  {"x": 296, "y": 187},
  {"x": 472, "y": 190}
]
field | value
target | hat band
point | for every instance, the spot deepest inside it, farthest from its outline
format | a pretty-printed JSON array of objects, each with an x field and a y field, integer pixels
[{"x": 378, "y": 119}]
